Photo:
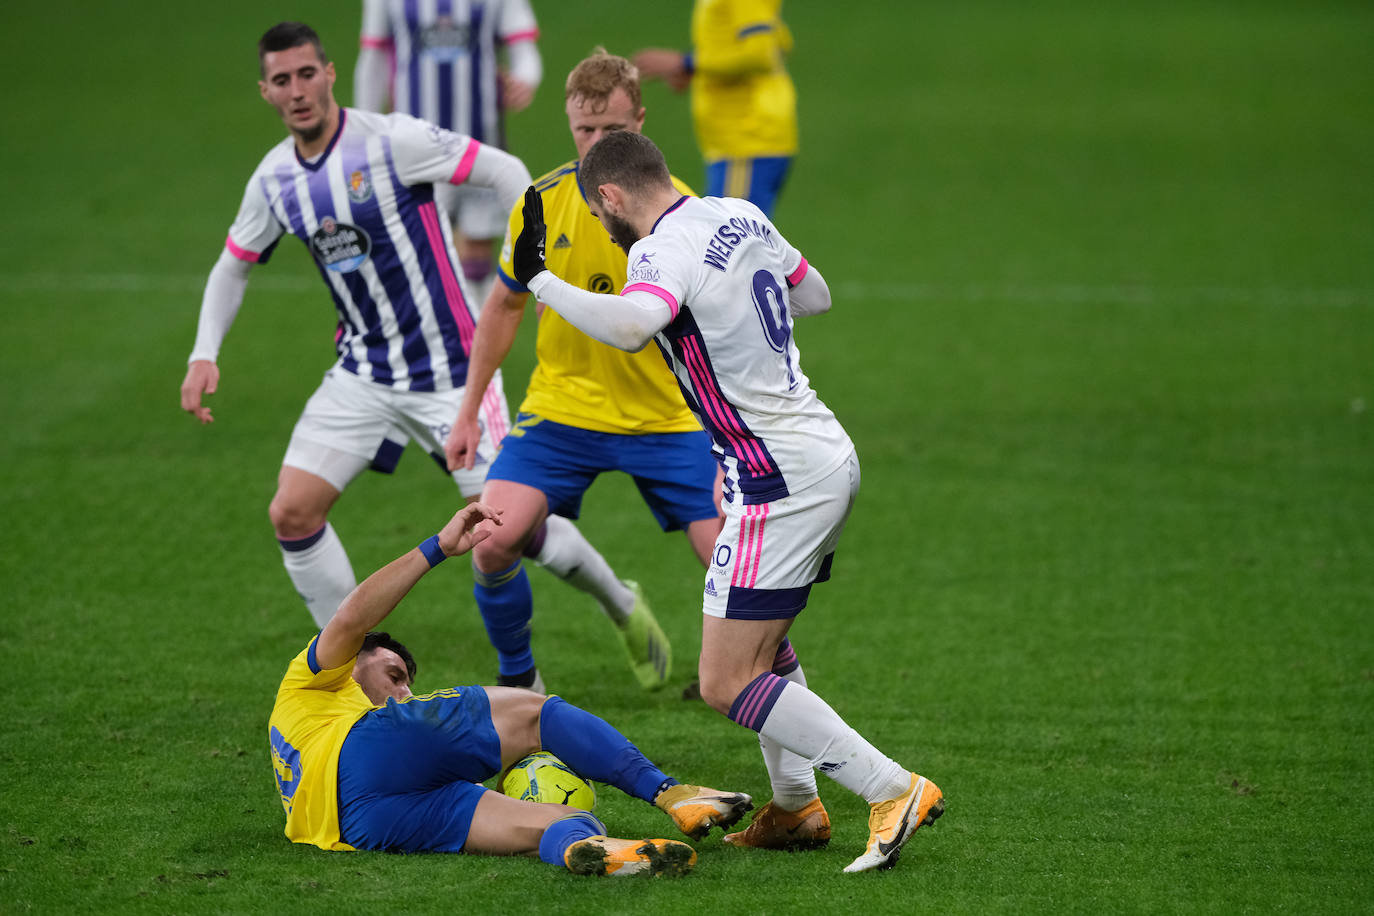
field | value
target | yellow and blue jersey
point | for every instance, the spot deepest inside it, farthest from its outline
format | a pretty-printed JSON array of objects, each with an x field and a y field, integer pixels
[
  {"x": 314, "y": 711},
  {"x": 743, "y": 101},
  {"x": 579, "y": 381}
]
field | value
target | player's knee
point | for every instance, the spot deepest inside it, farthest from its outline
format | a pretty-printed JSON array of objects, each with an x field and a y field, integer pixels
[
  {"x": 291, "y": 519},
  {"x": 500, "y": 550},
  {"x": 718, "y": 690}
]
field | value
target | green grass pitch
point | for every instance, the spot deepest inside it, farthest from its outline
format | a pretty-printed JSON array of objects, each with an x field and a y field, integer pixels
[{"x": 1104, "y": 337}]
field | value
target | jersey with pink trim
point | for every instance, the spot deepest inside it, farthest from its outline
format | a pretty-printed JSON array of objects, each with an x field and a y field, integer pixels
[
  {"x": 725, "y": 270},
  {"x": 445, "y": 56},
  {"x": 365, "y": 210}
]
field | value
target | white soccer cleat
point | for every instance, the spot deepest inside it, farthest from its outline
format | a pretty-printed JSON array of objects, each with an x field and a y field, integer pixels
[{"x": 892, "y": 823}]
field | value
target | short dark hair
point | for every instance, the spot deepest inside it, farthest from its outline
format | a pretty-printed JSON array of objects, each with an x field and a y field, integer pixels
[
  {"x": 627, "y": 159},
  {"x": 287, "y": 35},
  {"x": 380, "y": 639}
]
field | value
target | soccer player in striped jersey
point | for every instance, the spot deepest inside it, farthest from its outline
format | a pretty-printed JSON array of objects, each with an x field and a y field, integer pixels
[
  {"x": 744, "y": 106},
  {"x": 438, "y": 60},
  {"x": 717, "y": 286},
  {"x": 590, "y": 409},
  {"x": 357, "y": 188},
  {"x": 362, "y": 763}
]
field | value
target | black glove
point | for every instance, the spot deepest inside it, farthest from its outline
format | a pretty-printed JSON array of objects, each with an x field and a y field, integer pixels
[{"x": 527, "y": 255}]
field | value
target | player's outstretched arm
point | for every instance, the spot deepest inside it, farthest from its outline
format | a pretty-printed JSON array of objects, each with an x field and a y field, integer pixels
[
  {"x": 377, "y": 596},
  {"x": 218, "y": 308},
  {"x": 626, "y": 322},
  {"x": 666, "y": 64},
  {"x": 495, "y": 335}
]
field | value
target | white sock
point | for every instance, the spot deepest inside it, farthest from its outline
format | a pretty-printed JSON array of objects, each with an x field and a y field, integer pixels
[
  {"x": 793, "y": 779},
  {"x": 806, "y": 725},
  {"x": 572, "y": 558},
  {"x": 320, "y": 571}
]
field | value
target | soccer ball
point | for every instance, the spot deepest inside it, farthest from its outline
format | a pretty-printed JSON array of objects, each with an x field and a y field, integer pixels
[{"x": 542, "y": 777}]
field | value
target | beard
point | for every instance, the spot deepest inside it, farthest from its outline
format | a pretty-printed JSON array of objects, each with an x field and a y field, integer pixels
[
  {"x": 311, "y": 134},
  {"x": 621, "y": 232}
]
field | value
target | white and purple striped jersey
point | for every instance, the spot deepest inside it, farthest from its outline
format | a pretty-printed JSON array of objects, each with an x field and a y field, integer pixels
[
  {"x": 446, "y": 57},
  {"x": 724, "y": 271},
  {"x": 365, "y": 210}
]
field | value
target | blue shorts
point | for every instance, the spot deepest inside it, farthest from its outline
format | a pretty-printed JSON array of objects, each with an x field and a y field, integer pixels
[
  {"x": 409, "y": 772},
  {"x": 758, "y": 180},
  {"x": 675, "y": 472}
]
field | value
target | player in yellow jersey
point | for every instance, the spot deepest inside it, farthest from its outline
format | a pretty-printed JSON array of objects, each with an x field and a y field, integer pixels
[
  {"x": 744, "y": 106},
  {"x": 361, "y": 763},
  {"x": 590, "y": 408}
]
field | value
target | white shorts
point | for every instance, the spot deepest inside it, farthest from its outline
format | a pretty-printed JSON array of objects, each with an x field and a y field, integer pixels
[
  {"x": 769, "y": 555},
  {"x": 476, "y": 211},
  {"x": 350, "y": 424}
]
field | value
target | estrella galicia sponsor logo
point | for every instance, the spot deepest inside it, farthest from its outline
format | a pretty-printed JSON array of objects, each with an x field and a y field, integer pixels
[
  {"x": 722, "y": 555},
  {"x": 359, "y": 187},
  {"x": 446, "y": 40},
  {"x": 644, "y": 270},
  {"x": 601, "y": 283},
  {"x": 341, "y": 247}
]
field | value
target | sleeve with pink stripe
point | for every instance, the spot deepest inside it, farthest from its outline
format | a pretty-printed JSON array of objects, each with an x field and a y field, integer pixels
[
  {"x": 243, "y": 254},
  {"x": 797, "y": 275},
  {"x": 658, "y": 291},
  {"x": 464, "y": 169}
]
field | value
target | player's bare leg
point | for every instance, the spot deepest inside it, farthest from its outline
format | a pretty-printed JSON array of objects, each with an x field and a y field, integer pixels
[
  {"x": 314, "y": 556},
  {"x": 737, "y": 680},
  {"x": 702, "y": 535},
  {"x": 504, "y": 597}
]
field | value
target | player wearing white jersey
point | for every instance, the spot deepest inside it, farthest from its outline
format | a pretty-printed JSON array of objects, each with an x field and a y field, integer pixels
[
  {"x": 357, "y": 189},
  {"x": 715, "y": 284},
  {"x": 439, "y": 60}
]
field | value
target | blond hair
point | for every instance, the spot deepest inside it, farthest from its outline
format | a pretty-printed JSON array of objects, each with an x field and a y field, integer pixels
[{"x": 595, "y": 78}]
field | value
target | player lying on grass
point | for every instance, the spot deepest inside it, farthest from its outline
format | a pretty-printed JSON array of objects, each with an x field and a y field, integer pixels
[
  {"x": 362, "y": 763},
  {"x": 717, "y": 286}
]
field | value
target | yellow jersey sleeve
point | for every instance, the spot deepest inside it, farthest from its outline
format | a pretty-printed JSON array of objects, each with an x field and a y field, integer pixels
[
  {"x": 579, "y": 381},
  {"x": 743, "y": 101},
  {"x": 314, "y": 711}
]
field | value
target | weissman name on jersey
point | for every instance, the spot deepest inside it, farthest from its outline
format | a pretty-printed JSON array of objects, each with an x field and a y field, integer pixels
[
  {"x": 720, "y": 246},
  {"x": 724, "y": 271}
]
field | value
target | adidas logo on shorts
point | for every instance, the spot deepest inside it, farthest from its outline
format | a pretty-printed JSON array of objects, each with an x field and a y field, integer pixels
[{"x": 711, "y": 587}]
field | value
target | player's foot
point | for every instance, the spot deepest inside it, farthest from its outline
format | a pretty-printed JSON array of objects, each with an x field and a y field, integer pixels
[
  {"x": 603, "y": 855},
  {"x": 778, "y": 828},
  {"x": 530, "y": 680},
  {"x": 651, "y": 656},
  {"x": 891, "y": 823},
  {"x": 696, "y": 809}
]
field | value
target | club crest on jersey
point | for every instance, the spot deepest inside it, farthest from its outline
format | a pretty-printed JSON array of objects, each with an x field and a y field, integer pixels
[
  {"x": 359, "y": 187},
  {"x": 601, "y": 283},
  {"x": 340, "y": 247},
  {"x": 644, "y": 270}
]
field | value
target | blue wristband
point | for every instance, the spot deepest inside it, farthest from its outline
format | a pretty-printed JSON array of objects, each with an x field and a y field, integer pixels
[
  {"x": 689, "y": 63},
  {"x": 430, "y": 548}
]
